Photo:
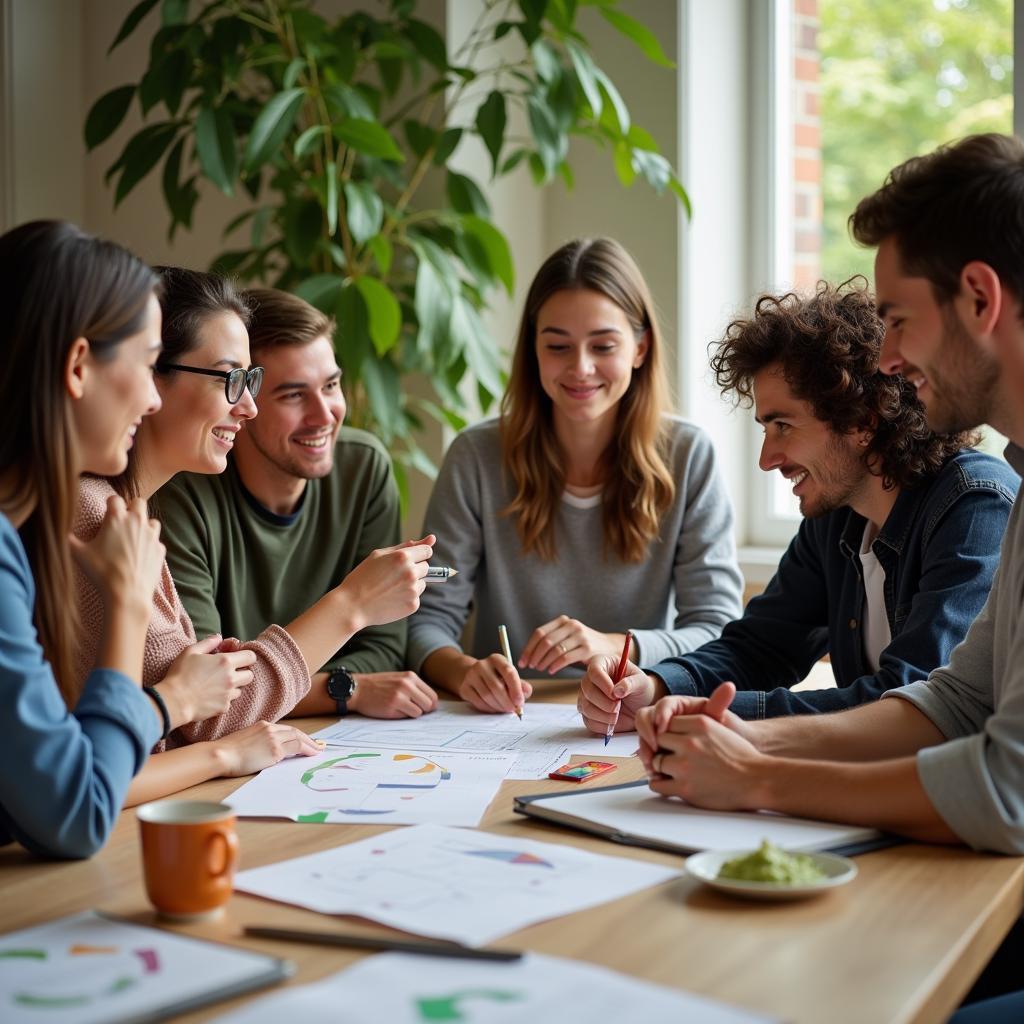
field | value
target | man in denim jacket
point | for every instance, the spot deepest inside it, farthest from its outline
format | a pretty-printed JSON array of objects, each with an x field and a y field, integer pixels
[{"x": 901, "y": 535}]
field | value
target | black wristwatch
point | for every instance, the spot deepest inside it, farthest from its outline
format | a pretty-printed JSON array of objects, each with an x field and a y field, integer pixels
[{"x": 341, "y": 687}]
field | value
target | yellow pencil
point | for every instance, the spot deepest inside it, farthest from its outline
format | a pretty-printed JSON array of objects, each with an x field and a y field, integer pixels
[{"x": 507, "y": 651}]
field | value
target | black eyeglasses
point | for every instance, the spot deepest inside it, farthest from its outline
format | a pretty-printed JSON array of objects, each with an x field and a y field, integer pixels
[{"x": 235, "y": 381}]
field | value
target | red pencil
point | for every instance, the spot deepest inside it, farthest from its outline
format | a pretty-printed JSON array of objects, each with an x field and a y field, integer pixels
[{"x": 619, "y": 673}]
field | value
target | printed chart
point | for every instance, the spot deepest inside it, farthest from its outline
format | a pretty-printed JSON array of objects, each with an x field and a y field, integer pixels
[
  {"x": 402, "y": 989},
  {"x": 452, "y": 883},
  {"x": 360, "y": 785},
  {"x": 88, "y": 969},
  {"x": 547, "y": 737}
]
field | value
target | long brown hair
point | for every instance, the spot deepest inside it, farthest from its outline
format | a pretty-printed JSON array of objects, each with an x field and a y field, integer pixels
[
  {"x": 63, "y": 285},
  {"x": 638, "y": 487}
]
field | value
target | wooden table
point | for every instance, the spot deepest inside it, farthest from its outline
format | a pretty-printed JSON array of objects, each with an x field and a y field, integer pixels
[{"x": 903, "y": 942}]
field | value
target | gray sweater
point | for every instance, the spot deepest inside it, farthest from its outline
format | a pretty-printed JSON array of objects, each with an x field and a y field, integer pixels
[
  {"x": 976, "y": 779},
  {"x": 682, "y": 594}
]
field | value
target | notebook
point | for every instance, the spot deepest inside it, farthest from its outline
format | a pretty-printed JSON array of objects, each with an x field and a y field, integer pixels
[
  {"x": 632, "y": 814},
  {"x": 92, "y": 969}
]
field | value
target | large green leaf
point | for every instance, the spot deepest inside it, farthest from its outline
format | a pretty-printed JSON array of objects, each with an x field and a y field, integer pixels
[
  {"x": 480, "y": 350},
  {"x": 428, "y": 42},
  {"x": 322, "y": 291},
  {"x": 490, "y": 123},
  {"x": 383, "y": 252},
  {"x": 640, "y": 34},
  {"x": 499, "y": 256},
  {"x": 383, "y": 311},
  {"x": 215, "y": 144},
  {"x": 141, "y": 155},
  {"x": 180, "y": 196},
  {"x": 128, "y": 26},
  {"x": 303, "y": 222},
  {"x": 433, "y": 301},
  {"x": 271, "y": 126},
  {"x": 106, "y": 115},
  {"x": 307, "y": 139},
  {"x": 617, "y": 113},
  {"x": 586, "y": 75},
  {"x": 384, "y": 389},
  {"x": 365, "y": 211},
  {"x": 165, "y": 81},
  {"x": 465, "y": 196},
  {"x": 552, "y": 146},
  {"x": 368, "y": 137},
  {"x": 446, "y": 146}
]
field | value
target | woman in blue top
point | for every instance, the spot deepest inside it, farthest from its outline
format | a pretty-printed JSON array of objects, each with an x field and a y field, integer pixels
[{"x": 78, "y": 342}]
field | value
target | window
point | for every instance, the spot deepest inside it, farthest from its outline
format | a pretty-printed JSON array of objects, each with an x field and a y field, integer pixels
[{"x": 859, "y": 86}]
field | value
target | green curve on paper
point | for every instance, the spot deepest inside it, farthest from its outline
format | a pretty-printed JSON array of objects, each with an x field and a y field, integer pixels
[
  {"x": 310, "y": 772},
  {"x": 50, "y": 1002},
  {"x": 316, "y": 818},
  {"x": 446, "y": 1008},
  {"x": 23, "y": 954}
]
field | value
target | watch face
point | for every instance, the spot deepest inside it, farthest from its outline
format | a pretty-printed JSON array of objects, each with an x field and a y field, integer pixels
[{"x": 340, "y": 684}]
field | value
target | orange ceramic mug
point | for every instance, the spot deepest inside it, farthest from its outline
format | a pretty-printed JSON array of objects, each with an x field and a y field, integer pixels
[{"x": 189, "y": 851}]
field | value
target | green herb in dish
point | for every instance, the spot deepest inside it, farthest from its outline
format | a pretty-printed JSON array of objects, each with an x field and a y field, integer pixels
[{"x": 770, "y": 864}]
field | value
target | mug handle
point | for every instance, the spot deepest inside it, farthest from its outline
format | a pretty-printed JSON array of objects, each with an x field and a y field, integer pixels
[{"x": 221, "y": 853}]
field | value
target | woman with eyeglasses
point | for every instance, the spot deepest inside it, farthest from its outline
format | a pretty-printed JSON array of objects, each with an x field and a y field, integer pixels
[
  {"x": 79, "y": 336},
  {"x": 223, "y": 697},
  {"x": 218, "y": 698}
]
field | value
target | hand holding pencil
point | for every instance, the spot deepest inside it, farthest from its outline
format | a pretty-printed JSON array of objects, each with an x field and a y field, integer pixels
[{"x": 613, "y": 691}]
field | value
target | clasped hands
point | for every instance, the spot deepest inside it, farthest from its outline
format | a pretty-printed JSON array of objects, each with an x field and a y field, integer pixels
[{"x": 690, "y": 747}]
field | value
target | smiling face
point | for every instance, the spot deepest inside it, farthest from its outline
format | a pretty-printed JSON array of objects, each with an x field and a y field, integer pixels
[
  {"x": 198, "y": 427},
  {"x": 301, "y": 410},
  {"x": 117, "y": 394},
  {"x": 586, "y": 352},
  {"x": 826, "y": 469},
  {"x": 956, "y": 380}
]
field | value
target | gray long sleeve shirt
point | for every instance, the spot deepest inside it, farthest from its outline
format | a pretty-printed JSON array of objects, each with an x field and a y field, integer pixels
[
  {"x": 976, "y": 779},
  {"x": 679, "y": 597}
]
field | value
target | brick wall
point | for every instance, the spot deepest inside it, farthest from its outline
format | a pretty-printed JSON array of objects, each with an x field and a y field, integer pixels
[{"x": 807, "y": 199}]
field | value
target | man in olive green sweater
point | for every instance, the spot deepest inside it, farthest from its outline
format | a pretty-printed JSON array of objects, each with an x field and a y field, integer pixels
[{"x": 303, "y": 501}]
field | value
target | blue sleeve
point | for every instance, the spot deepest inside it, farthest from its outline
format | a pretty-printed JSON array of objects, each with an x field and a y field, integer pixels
[
  {"x": 958, "y": 565},
  {"x": 63, "y": 775},
  {"x": 782, "y": 633}
]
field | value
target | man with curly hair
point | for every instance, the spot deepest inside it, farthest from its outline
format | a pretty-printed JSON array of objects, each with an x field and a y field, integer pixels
[
  {"x": 942, "y": 759},
  {"x": 901, "y": 531}
]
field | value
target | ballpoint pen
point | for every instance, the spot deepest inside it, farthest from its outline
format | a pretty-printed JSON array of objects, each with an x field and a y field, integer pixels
[
  {"x": 440, "y": 572},
  {"x": 619, "y": 673},
  {"x": 507, "y": 651}
]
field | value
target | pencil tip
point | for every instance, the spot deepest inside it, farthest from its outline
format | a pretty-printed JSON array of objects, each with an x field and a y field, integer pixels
[{"x": 606, "y": 739}]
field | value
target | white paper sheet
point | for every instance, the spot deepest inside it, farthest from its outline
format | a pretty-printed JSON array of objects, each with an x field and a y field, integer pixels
[
  {"x": 452, "y": 883},
  {"x": 545, "y": 739},
  {"x": 87, "y": 969},
  {"x": 364, "y": 786},
  {"x": 400, "y": 989}
]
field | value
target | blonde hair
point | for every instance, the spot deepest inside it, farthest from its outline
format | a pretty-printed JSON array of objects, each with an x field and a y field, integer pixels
[{"x": 638, "y": 487}]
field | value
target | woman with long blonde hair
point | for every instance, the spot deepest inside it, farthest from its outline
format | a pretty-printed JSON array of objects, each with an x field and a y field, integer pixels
[{"x": 583, "y": 511}]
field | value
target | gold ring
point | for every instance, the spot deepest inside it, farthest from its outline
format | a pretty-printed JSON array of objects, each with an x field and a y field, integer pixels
[
  {"x": 656, "y": 763},
  {"x": 562, "y": 648}
]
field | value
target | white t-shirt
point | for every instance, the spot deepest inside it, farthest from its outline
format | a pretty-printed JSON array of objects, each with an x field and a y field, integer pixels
[{"x": 876, "y": 623}]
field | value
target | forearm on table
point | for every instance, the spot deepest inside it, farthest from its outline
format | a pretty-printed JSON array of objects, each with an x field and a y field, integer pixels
[
  {"x": 174, "y": 770},
  {"x": 873, "y": 732},
  {"x": 887, "y": 795},
  {"x": 445, "y": 668}
]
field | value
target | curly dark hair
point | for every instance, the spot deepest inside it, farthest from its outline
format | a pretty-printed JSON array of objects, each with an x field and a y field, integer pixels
[{"x": 828, "y": 346}]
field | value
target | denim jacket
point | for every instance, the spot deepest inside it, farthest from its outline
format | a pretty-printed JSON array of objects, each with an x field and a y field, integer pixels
[{"x": 939, "y": 549}]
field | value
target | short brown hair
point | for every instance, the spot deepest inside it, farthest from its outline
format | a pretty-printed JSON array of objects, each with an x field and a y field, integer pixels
[
  {"x": 962, "y": 202},
  {"x": 828, "y": 345},
  {"x": 280, "y": 318}
]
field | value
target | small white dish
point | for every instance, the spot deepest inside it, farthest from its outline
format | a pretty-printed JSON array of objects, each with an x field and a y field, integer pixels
[{"x": 705, "y": 867}]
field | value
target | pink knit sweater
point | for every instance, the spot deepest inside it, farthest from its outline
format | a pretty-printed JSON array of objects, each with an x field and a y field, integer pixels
[{"x": 281, "y": 678}]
